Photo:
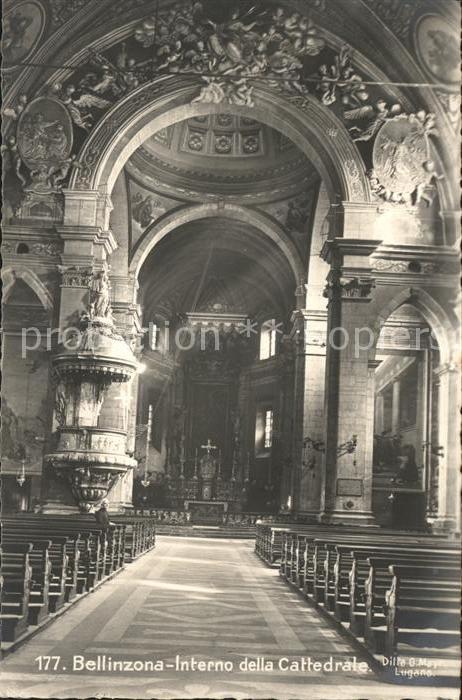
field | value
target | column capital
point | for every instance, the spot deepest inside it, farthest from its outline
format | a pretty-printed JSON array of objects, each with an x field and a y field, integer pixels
[{"x": 344, "y": 288}]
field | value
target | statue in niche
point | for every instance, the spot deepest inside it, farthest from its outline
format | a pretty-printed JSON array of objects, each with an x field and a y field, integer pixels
[{"x": 100, "y": 302}]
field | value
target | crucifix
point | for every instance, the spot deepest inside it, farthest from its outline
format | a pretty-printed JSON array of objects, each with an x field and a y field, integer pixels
[{"x": 209, "y": 447}]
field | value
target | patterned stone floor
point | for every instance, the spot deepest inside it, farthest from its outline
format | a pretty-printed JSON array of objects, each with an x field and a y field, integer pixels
[{"x": 185, "y": 602}]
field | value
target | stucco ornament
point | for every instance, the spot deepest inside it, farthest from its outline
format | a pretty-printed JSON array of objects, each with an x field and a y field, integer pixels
[
  {"x": 227, "y": 52},
  {"x": 44, "y": 141},
  {"x": 403, "y": 169}
]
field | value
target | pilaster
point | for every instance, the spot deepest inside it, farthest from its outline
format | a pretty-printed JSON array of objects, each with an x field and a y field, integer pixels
[
  {"x": 347, "y": 434},
  {"x": 312, "y": 446},
  {"x": 448, "y": 518}
]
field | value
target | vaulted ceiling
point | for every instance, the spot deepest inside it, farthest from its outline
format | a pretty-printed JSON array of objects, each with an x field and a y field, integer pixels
[
  {"x": 216, "y": 261},
  {"x": 221, "y": 154}
]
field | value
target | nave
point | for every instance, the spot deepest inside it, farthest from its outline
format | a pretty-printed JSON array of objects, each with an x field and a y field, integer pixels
[{"x": 203, "y": 599}]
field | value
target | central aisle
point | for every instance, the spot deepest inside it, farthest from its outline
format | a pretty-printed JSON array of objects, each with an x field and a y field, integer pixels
[{"x": 211, "y": 600}]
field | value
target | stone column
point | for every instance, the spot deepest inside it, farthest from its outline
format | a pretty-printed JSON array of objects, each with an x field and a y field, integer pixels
[
  {"x": 286, "y": 425},
  {"x": 294, "y": 465},
  {"x": 379, "y": 414},
  {"x": 396, "y": 387},
  {"x": 448, "y": 518},
  {"x": 348, "y": 435},
  {"x": 371, "y": 428},
  {"x": 315, "y": 322}
]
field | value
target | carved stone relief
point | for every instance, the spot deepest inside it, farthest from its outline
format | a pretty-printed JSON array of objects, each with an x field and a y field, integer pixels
[
  {"x": 75, "y": 276},
  {"x": 40, "y": 249},
  {"x": 403, "y": 169},
  {"x": 414, "y": 266},
  {"x": 23, "y": 28},
  {"x": 438, "y": 47}
]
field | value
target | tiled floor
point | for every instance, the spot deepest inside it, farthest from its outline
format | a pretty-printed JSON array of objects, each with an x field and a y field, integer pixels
[{"x": 201, "y": 600}]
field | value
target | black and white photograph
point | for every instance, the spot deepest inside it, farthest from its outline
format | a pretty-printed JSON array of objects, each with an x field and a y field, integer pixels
[{"x": 231, "y": 350}]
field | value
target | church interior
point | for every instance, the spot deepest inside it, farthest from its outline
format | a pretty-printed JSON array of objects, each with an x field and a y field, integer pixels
[{"x": 231, "y": 349}]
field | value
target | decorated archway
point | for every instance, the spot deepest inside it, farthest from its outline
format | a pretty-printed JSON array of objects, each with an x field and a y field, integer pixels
[
  {"x": 267, "y": 226},
  {"x": 314, "y": 129}
]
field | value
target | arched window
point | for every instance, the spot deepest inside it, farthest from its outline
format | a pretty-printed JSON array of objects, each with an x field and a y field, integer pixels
[
  {"x": 263, "y": 430},
  {"x": 268, "y": 335},
  {"x": 153, "y": 336},
  {"x": 22, "y": 249},
  {"x": 157, "y": 335}
]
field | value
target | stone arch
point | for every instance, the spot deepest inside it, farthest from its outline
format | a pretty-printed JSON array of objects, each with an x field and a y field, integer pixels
[
  {"x": 431, "y": 311},
  {"x": 318, "y": 133},
  {"x": 10, "y": 275},
  {"x": 267, "y": 226}
]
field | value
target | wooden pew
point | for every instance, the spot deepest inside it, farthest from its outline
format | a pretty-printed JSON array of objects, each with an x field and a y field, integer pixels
[
  {"x": 407, "y": 598},
  {"x": 40, "y": 563},
  {"x": 15, "y": 589},
  {"x": 346, "y": 570},
  {"x": 312, "y": 557},
  {"x": 140, "y": 535},
  {"x": 88, "y": 541},
  {"x": 268, "y": 542},
  {"x": 315, "y": 564},
  {"x": 47, "y": 560},
  {"x": 333, "y": 567},
  {"x": 131, "y": 536},
  {"x": 59, "y": 561}
]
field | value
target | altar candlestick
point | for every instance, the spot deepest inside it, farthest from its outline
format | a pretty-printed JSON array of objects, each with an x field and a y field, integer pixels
[{"x": 195, "y": 464}]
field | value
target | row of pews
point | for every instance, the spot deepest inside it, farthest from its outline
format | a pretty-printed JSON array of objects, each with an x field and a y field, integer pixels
[
  {"x": 49, "y": 561},
  {"x": 397, "y": 593}
]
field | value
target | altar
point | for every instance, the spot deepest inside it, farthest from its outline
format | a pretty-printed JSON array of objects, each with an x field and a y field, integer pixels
[{"x": 206, "y": 512}]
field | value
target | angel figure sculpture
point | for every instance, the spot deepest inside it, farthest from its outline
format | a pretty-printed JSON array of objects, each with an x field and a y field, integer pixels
[
  {"x": 57, "y": 174},
  {"x": 426, "y": 190},
  {"x": 374, "y": 116},
  {"x": 80, "y": 108}
]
